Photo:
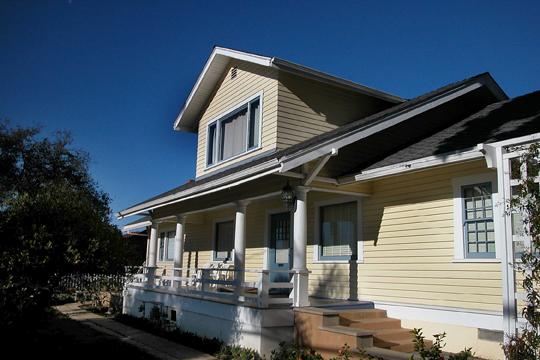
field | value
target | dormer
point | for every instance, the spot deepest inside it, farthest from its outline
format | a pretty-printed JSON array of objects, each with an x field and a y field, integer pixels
[{"x": 245, "y": 105}]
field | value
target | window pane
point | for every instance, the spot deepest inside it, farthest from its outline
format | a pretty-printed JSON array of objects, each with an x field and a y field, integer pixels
[
  {"x": 170, "y": 245},
  {"x": 254, "y": 124},
  {"x": 161, "y": 246},
  {"x": 211, "y": 144},
  {"x": 224, "y": 240},
  {"x": 338, "y": 229},
  {"x": 478, "y": 206},
  {"x": 233, "y": 135}
]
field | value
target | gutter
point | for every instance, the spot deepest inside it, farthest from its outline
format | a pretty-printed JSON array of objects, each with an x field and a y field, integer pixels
[
  {"x": 209, "y": 187},
  {"x": 415, "y": 165}
]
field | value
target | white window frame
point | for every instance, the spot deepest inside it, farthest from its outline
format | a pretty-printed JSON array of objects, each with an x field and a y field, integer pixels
[
  {"x": 459, "y": 241},
  {"x": 359, "y": 230},
  {"x": 217, "y": 120},
  {"x": 214, "y": 240}
]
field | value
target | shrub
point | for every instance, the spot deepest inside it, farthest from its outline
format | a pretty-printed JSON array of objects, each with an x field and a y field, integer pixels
[
  {"x": 435, "y": 351},
  {"x": 291, "y": 351},
  {"x": 237, "y": 353}
]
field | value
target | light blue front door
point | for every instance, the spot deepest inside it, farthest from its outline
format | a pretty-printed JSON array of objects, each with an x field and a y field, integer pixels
[{"x": 280, "y": 249}]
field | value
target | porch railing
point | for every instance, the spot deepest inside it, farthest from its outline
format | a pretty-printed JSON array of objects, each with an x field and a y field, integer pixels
[{"x": 223, "y": 284}]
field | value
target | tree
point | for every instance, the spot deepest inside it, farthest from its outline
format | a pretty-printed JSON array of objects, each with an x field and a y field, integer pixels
[
  {"x": 54, "y": 220},
  {"x": 526, "y": 344}
]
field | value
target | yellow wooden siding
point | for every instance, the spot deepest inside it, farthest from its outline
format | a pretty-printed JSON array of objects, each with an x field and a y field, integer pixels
[
  {"x": 307, "y": 108},
  {"x": 408, "y": 245},
  {"x": 250, "y": 80},
  {"x": 410, "y": 218}
]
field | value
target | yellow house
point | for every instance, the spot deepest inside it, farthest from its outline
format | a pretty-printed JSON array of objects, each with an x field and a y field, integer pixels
[{"x": 330, "y": 212}]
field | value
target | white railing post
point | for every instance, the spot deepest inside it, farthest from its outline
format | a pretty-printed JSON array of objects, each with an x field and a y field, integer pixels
[
  {"x": 204, "y": 277},
  {"x": 262, "y": 300}
]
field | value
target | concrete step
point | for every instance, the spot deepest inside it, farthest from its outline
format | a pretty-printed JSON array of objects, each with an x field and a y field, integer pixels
[
  {"x": 360, "y": 314},
  {"x": 394, "y": 334},
  {"x": 375, "y": 323}
]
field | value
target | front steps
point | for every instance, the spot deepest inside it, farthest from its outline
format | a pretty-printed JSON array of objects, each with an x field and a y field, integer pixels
[{"x": 327, "y": 330}]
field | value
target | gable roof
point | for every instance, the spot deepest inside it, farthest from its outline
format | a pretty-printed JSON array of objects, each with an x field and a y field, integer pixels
[
  {"x": 317, "y": 146},
  {"x": 218, "y": 61}
]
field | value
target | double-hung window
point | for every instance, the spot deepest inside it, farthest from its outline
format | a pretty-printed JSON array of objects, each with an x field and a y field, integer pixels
[
  {"x": 338, "y": 231},
  {"x": 224, "y": 240},
  {"x": 166, "y": 246},
  {"x": 235, "y": 133},
  {"x": 170, "y": 245},
  {"x": 478, "y": 226}
]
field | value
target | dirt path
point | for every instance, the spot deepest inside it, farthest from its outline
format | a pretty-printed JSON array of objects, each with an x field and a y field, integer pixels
[{"x": 158, "y": 347}]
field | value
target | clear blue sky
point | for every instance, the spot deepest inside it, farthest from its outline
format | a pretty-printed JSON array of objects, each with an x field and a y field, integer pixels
[{"x": 115, "y": 73}]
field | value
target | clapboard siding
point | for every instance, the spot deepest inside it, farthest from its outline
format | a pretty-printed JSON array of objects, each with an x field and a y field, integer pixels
[
  {"x": 307, "y": 108},
  {"x": 411, "y": 219},
  {"x": 408, "y": 244},
  {"x": 250, "y": 80}
]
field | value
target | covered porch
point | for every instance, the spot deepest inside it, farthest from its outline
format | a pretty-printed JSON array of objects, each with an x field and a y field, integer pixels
[{"x": 245, "y": 246}]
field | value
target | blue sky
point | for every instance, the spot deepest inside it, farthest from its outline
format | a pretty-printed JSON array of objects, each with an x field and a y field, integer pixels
[{"x": 116, "y": 73}]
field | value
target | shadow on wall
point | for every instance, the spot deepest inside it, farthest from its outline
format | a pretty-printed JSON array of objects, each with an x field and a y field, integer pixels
[{"x": 335, "y": 281}]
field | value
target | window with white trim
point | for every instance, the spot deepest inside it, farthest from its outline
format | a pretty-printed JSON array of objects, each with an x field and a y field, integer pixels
[
  {"x": 235, "y": 133},
  {"x": 224, "y": 240},
  {"x": 338, "y": 227},
  {"x": 478, "y": 226},
  {"x": 477, "y": 216}
]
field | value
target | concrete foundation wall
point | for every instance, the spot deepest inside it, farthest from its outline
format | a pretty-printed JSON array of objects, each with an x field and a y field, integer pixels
[{"x": 258, "y": 329}]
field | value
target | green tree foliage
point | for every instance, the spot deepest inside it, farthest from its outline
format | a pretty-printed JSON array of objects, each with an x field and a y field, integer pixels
[
  {"x": 526, "y": 344},
  {"x": 54, "y": 220}
]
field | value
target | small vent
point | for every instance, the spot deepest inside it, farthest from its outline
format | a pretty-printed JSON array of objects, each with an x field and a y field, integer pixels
[{"x": 234, "y": 72}]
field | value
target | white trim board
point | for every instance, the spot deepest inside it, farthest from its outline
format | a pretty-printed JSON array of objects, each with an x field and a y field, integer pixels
[
  {"x": 359, "y": 229},
  {"x": 453, "y": 316},
  {"x": 457, "y": 183}
]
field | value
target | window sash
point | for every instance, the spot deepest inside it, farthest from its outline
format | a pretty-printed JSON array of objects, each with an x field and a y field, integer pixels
[
  {"x": 224, "y": 241},
  {"x": 235, "y": 133},
  {"x": 170, "y": 245},
  {"x": 338, "y": 231},
  {"x": 478, "y": 224}
]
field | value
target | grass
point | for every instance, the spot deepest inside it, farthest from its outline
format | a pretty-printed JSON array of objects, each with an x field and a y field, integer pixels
[{"x": 58, "y": 337}]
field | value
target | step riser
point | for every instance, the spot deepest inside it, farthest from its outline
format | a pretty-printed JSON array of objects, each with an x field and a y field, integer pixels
[
  {"x": 363, "y": 314},
  {"x": 378, "y": 325}
]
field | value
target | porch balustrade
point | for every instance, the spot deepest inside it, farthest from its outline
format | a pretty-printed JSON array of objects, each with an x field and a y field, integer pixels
[{"x": 224, "y": 285}]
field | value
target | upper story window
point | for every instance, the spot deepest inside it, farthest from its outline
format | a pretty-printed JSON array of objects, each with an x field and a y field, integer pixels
[{"x": 235, "y": 133}]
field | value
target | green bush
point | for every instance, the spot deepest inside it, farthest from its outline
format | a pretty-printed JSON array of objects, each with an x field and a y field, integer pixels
[
  {"x": 291, "y": 351},
  {"x": 435, "y": 351},
  {"x": 237, "y": 353}
]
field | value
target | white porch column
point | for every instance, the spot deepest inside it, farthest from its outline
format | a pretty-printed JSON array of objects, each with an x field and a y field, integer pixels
[
  {"x": 240, "y": 241},
  {"x": 300, "y": 278},
  {"x": 152, "y": 254},
  {"x": 179, "y": 246}
]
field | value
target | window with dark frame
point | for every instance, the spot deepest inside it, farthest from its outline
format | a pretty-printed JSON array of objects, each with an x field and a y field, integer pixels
[
  {"x": 338, "y": 231},
  {"x": 224, "y": 241},
  {"x": 235, "y": 133}
]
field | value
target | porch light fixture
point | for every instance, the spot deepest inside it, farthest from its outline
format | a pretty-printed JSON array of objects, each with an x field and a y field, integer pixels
[{"x": 288, "y": 196}]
